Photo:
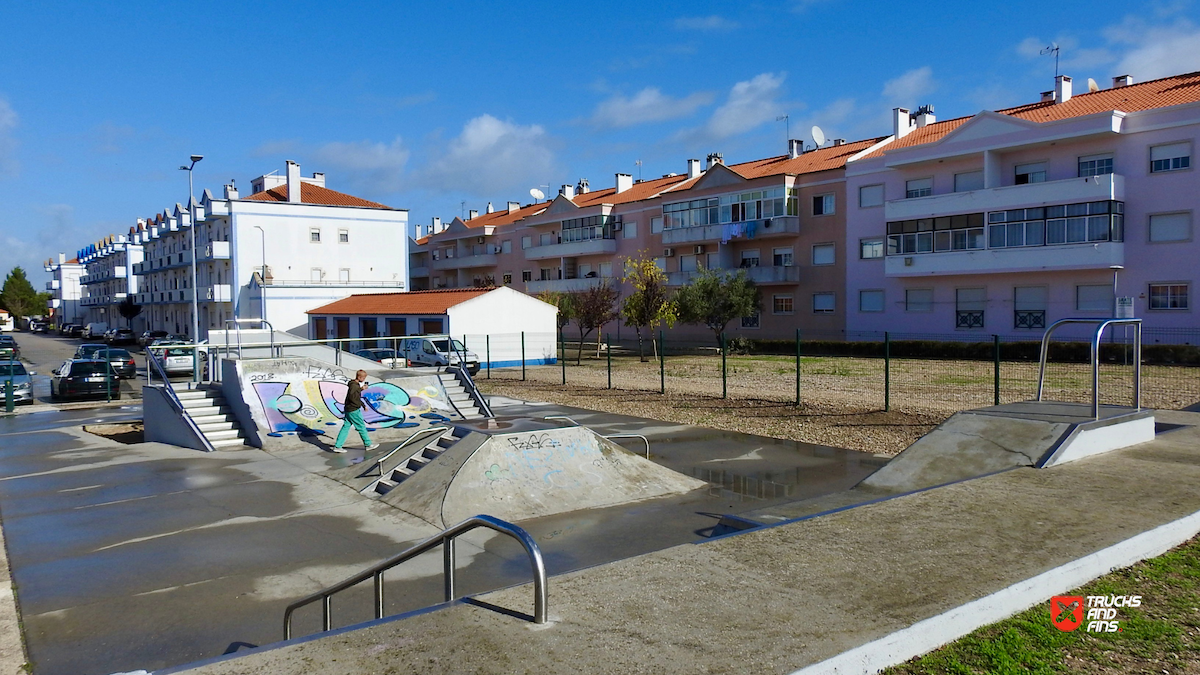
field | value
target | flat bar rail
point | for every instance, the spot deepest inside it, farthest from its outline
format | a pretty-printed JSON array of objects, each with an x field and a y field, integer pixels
[
  {"x": 446, "y": 540},
  {"x": 377, "y": 465},
  {"x": 640, "y": 437},
  {"x": 1100, "y": 324}
]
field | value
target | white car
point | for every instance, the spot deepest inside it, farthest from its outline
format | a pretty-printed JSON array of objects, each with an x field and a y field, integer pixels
[{"x": 178, "y": 360}]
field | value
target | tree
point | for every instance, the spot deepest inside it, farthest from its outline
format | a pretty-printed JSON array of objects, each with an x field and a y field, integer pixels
[
  {"x": 129, "y": 310},
  {"x": 18, "y": 296},
  {"x": 715, "y": 298},
  {"x": 565, "y": 303},
  {"x": 593, "y": 308},
  {"x": 650, "y": 302}
]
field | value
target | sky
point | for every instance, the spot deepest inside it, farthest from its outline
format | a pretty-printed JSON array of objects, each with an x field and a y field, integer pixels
[{"x": 442, "y": 107}]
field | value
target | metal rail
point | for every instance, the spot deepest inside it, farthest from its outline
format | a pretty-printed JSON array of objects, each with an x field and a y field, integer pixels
[
  {"x": 152, "y": 364},
  {"x": 469, "y": 382},
  {"x": 561, "y": 417},
  {"x": 644, "y": 440},
  {"x": 446, "y": 540},
  {"x": 1101, "y": 324},
  {"x": 379, "y": 462},
  {"x": 237, "y": 325}
]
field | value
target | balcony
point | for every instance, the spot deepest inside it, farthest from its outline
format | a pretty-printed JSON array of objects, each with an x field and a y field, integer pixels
[
  {"x": 465, "y": 262},
  {"x": 217, "y": 293},
  {"x": 1072, "y": 190},
  {"x": 417, "y": 272},
  {"x": 53, "y": 285},
  {"x": 142, "y": 267},
  {"x": 53, "y": 303},
  {"x": 778, "y": 226},
  {"x": 762, "y": 276},
  {"x": 1086, "y": 256},
  {"x": 564, "y": 285},
  {"x": 215, "y": 250},
  {"x": 572, "y": 249}
]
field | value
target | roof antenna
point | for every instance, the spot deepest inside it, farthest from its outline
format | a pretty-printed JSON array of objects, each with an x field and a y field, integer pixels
[
  {"x": 639, "y": 166},
  {"x": 787, "y": 127},
  {"x": 1052, "y": 49}
]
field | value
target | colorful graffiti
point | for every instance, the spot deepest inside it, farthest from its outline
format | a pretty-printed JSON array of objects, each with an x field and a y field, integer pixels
[{"x": 315, "y": 403}]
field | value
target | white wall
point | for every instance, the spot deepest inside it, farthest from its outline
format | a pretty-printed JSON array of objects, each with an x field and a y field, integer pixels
[{"x": 502, "y": 315}]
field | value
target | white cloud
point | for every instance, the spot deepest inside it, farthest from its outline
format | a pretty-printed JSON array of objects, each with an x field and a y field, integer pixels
[
  {"x": 908, "y": 88},
  {"x": 648, "y": 105},
  {"x": 275, "y": 148},
  {"x": 750, "y": 104},
  {"x": 374, "y": 167},
  {"x": 1152, "y": 52},
  {"x": 705, "y": 23},
  {"x": 490, "y": 157},
  {"x": 8, "y": 144}
]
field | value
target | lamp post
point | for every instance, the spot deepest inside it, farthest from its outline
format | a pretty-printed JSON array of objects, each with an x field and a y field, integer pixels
[
  {"x": 195, "y": 289},
  {"x": 262, "y": 291},
  {"x": 1115, "y": 269}
]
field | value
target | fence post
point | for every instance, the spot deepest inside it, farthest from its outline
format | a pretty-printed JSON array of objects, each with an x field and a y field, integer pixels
[
  {"x": 724, "y": 384},
  {"x": 10, "y": 401},
  {"x": 562, "y": 350},
  {"x": 487, "y": 351},
  {"x": 108, "y": 368},
  {"x": 887, "y": 371},
  {"x": 797, "y": 366},
  {"x": 522, "y": 356},
  {"x": 662, "y": 363},
  {"x": 608, "y": 353},
  {"x": 996, "y": 369}
]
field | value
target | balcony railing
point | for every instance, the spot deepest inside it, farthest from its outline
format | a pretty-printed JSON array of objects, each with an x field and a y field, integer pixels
[
  {"x": 763, "y": 276},
  {"x": 1090, "y": 189},
  {"x": 572, "y": 249},
  {"x": 52, "y": 285},
  {"x": 756, "y": 229},
  {"x": 334, "y": 283},
  {"x": 1083, "y": 256},
  {"x": 465, "y": 262},
  {"x": 422, "y": 271},
  {"x": 217, "y": 293},
  {"x": 215, "y": 250},
  {"x": 564, "y": 285}
]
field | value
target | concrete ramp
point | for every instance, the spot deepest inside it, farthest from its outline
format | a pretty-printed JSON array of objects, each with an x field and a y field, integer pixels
[
  {"x": 528, "y": 468},
  {"x": 1032, "y": 433}
]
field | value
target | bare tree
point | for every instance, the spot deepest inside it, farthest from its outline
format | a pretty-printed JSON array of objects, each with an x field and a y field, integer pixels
[{"x": 593, "y": 308}]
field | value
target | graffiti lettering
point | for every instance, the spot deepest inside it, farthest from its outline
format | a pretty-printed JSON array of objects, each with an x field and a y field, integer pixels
[
  {"x": 262, "y": 377},
  {"x": 319, "y": 373},
  {"x": 533, "y": 442}
]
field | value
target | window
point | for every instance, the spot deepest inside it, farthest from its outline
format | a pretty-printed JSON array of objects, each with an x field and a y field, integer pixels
[
  {"x": 918, "y": 300},
  {"x": 343, "y": 236},
  {"x": 870, "y": 249},
  {"x": 506, "y": 246},
  {"x": 921, "y": 187},
  {"x": 750, "y": 258},
  {"x": 343, "y": 275},
  {"x": 823, "y": 205},
  {"x": 1029, "y": 307},
  {"x": 526, "y": 275},
  {"x": 1168, "y": 296},
  {"x": 1097, "y": 298},
  {"x": 823, "y": 254},
  {"x": 314, "y": 235},
  {"x": 782, "y": 304},
  {"x": 585, "y": 271},
  {"x": 1030, "y": 173},
  {"x": 526, "y": 242},
  {"x": 870, "y": 301},
  {"x": 661, "y": 263},
  {"x": 587, "y": 228},
  {"x": 750, "y": 321},
  {"x": 605, "y": 270},
  {"x": 870, "y": 195},
  {"x": 734, "y": 208},
  {"x": 966, "y": 182},
  {"x": 546, "y": 239},
  {"x": 316, "y": 274},
  {"x": 1095, "y": 165},
  {"x": 687, "y": 263},
  {"x": 508, "y": 279},
  {"x": 1173, "y": 157},
  {"x": 1171, "y": 227},
  {"x": 968, "y": 305},
  {"x": 545, "y": 274},
  {"x": 781, "y": 257},
  {"x": 629, "y": 229},
  {"x": 656, "y": 225},
  {"x": 823, "y": 303}
]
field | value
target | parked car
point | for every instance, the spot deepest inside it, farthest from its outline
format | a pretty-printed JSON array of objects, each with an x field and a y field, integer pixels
[
  {"x": 87, "y": 349},
  {"x": 383, "y": 355},
  {"x": 177, "y": 360},
  {"x": 148, "y": 337},
  {"x": 437, "y": 350},
  {"x": 76, "y": 330},
  {"x": 9, "y": 351},
  {"x": 94, "y": 330},
  {"x": 36, "y": 326},
  {"x": 121, "y": 360},
  {"x": 65, "y": 329},
  {"x": 84, "y": 378},
  {"x": 22, "y": 384},
  {"x": 120, "y": 336}
]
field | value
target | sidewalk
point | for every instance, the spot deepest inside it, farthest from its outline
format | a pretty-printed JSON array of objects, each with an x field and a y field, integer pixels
[{"x": 786, "y": 597}]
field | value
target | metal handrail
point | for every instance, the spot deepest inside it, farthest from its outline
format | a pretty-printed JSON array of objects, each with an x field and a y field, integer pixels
[
  {"x": 446, "y": 540},
  {"x": 237, "y": 325},
  {"x": 173, "y": 399},
  {"x": 379, "y": 463},
  {"x": 644, "y": 440},
  {"x": 469, "y": 385},
  {"x": 1095, "y": 354},
  {"x": 561, "y": 417}
]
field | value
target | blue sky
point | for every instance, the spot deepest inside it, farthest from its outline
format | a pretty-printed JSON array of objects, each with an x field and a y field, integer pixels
[{"x": 426, "y": 105}]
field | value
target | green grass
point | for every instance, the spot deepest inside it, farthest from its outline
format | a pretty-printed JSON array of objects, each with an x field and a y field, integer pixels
[{"x": 1156, "y": 637}]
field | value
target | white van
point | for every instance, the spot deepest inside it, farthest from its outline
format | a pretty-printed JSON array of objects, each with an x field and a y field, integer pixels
[
  {"x": 94, "y": 330},
  {"x": 436, "y": 350}
]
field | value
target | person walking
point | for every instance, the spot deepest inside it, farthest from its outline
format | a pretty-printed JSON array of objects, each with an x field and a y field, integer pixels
[{"x": 354, "y": 416}]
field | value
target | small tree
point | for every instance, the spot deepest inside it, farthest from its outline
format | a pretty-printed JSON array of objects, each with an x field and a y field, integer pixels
[
  {"x": 565, "y": 303},
  {"x": 650, "y": 302},
  {"x": 129, "y": 310},
  {"x": 18, "y": 296},
  {"x": 715, "y": 298},
  {"x": 593, "y": 308}
]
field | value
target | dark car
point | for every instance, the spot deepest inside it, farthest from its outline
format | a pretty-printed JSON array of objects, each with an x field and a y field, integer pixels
[
  {"x": 84, "y": 378},
  {"x": 121, "y": 360},
  {"x": 76, "y": 330},
  {"x": 9, "y": 351},
  {"x": 148, "y": 337},
  {"x": 86, "y": 349},
  {"x": 121, "y": 336}
]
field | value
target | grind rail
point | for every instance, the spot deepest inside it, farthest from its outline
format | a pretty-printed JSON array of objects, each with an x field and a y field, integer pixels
[
  {"x": 446, "y": 540},
  {"x": 1100, "y": 324}
]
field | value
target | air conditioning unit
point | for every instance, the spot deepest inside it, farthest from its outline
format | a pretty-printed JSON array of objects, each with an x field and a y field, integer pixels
[
  {"x": 699, "y": 249},
  {"x": 668, "y": 253},
  {"x": 908, "y": 262},
  {"x": 479, "y": 240},
  {"x": 767, "y": 222},
  {"x": 616, "y": 226}
]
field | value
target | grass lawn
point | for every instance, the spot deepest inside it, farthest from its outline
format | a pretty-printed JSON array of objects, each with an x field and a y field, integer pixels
[{"x": 1160, "y": 636}]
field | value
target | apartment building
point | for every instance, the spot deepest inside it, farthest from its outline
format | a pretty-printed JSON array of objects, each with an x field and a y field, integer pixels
[
  {"x": 291, "y": 245},
  {"x": 108, "y": 280},
  {"x": 66, "y": 292},
  {"x": 1006, "y": 221}
]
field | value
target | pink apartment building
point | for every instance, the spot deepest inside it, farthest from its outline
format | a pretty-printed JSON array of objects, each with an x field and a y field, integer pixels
[{"x": 1004, "y": 222}]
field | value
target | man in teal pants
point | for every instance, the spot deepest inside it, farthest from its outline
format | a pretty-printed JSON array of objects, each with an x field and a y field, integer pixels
[{"x": 354, "y": 416}]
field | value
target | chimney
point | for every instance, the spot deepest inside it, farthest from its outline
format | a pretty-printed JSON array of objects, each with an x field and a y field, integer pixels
[
  {"x": 1062, "y": 89},
  {"x": 231, "y": 191},
  {"x": 795, "y": 148},
  {"x": 1122, "y": 81},
  {"x": 583, "y": 188},
  {"x": 490, "y": 208},
  {"x": 902, "y": 123},
  {"x": 713, "y": 158},
  {"x": 513, "y": 206},
  {"x": 318, "y": 179},
  {"x": 293, "y": 182},
  {"x": 435, "y": 226},
  {"x": 925, "y": 116},
  {"x": 567, "y": 191},
  {"x": 472, "y": 214},
  {"x": 1047, "y": 96},
  {"x": 693, "y": 168},
  {"x": 62, "y": 258},
  {"x": 838, "y": 141},
  {"x": 624, "y": 182}
]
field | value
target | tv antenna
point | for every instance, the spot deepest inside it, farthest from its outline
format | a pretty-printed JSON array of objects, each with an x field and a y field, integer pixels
[
  {"x": 537, "y": 194},
  {"x": 1052, "y": 49},
  {"x": 818, "y": 136},
  {"x": 638, "y": 162},
  {"x": 787, "y": 125}
]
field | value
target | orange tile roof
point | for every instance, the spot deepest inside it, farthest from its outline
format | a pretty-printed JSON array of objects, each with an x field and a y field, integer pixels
[
  {"x": 413, "y": 302},
  {"x": 639, "y": 191},
  {"x": 503, "y": 217},
  {"x": 314, "y": 194}
]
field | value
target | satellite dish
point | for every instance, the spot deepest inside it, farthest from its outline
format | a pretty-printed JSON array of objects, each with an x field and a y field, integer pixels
[
  {"x": 818, "y": 136},
  {"x": 537, "y": 194},
  {"x": 1092, "y": 86}
]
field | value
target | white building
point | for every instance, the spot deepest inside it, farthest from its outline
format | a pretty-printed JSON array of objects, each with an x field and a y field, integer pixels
[
  {"x": 64, "y": 307},
  {"x": 109, "y": 280},
  {"x": 290, "y": 245}
]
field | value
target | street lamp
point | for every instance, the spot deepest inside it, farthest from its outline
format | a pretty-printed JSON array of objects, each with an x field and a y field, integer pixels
[
  {"x": 195, "y": 290},
  {"x": 1115, "y": 269},
  {"x": 262, "y": 282}
]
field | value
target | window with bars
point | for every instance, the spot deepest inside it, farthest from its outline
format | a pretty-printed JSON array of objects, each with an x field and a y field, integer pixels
[{"x": 969, "y": 304}]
